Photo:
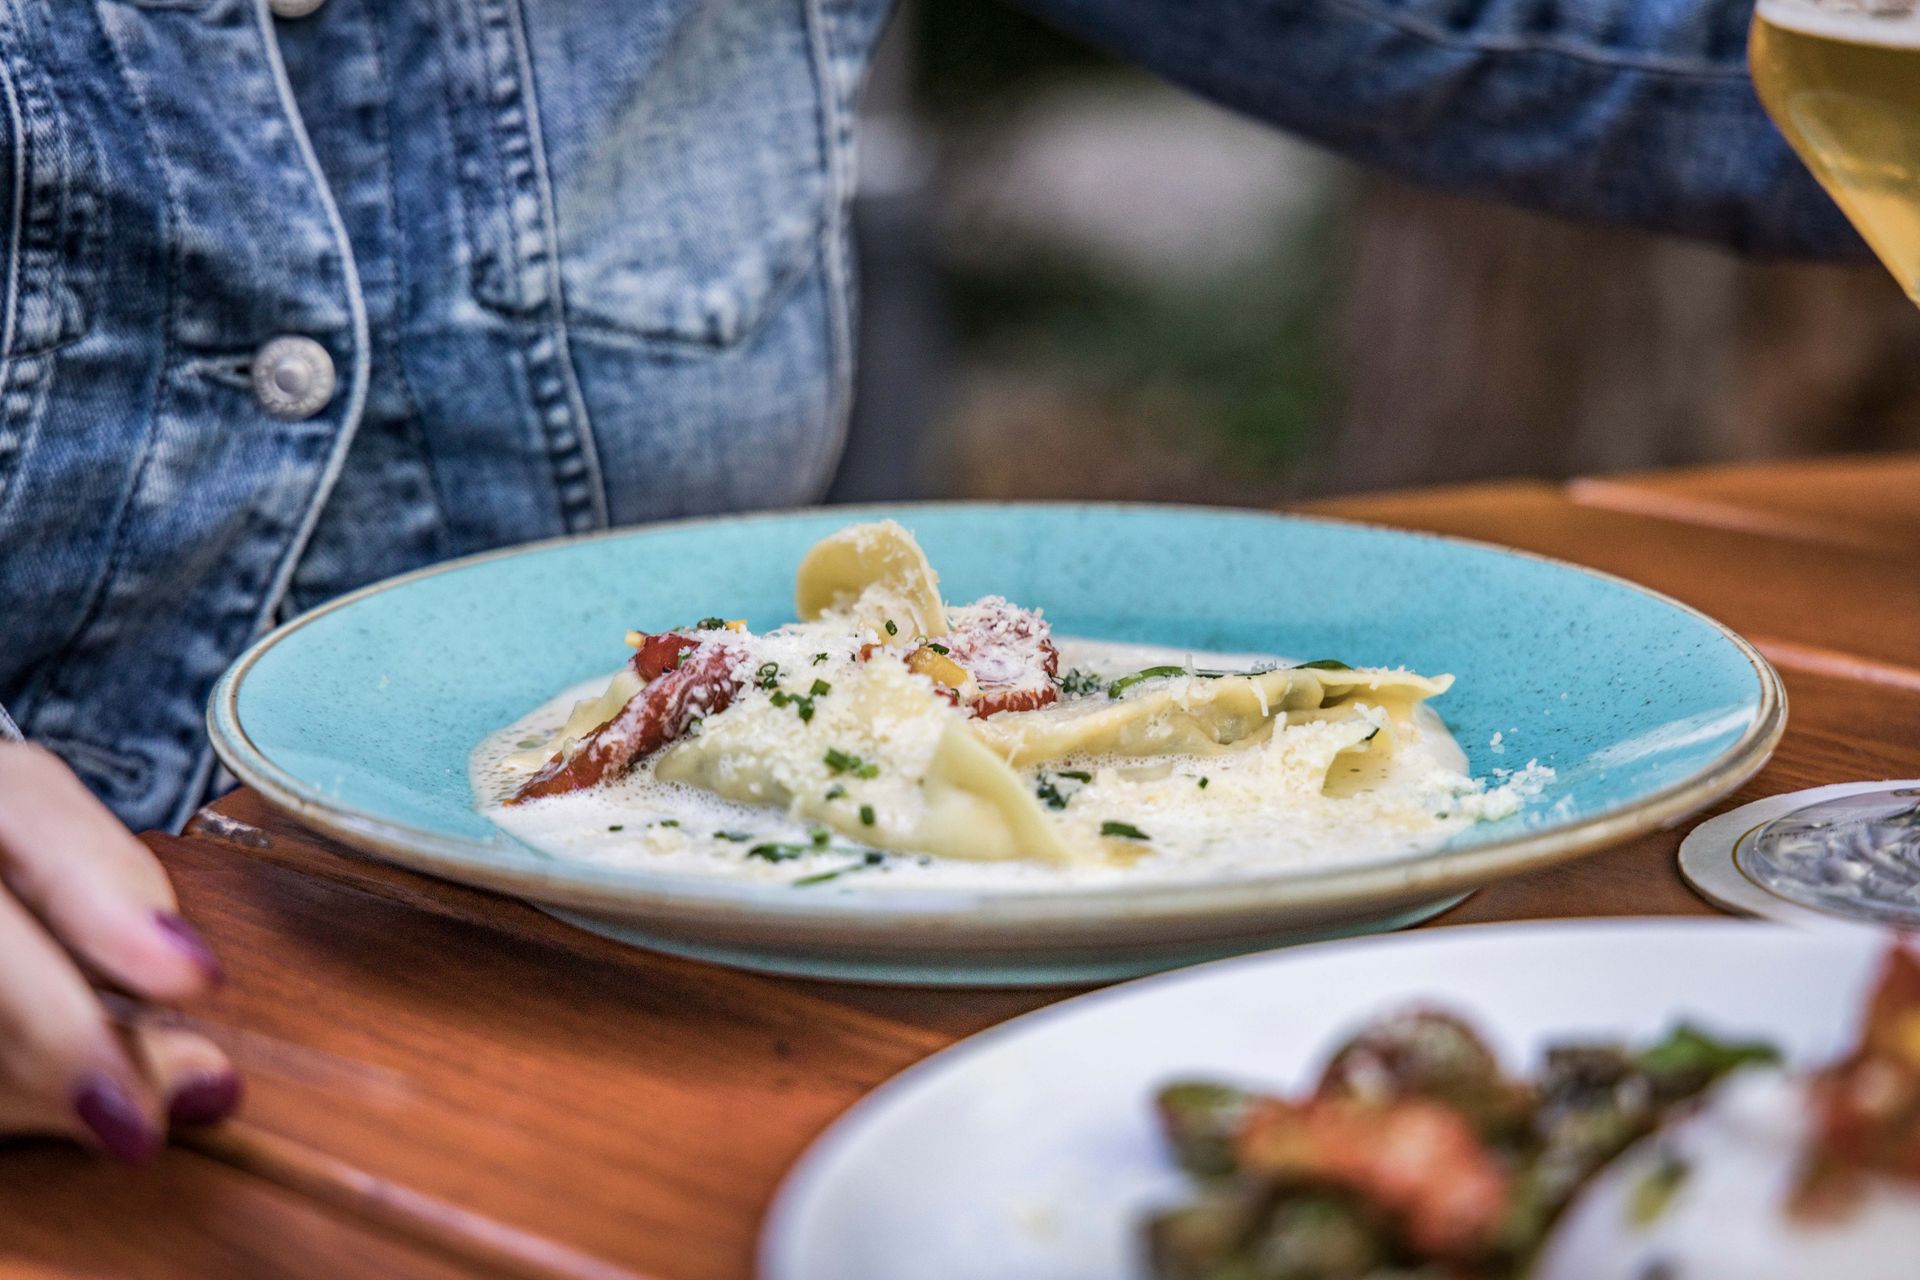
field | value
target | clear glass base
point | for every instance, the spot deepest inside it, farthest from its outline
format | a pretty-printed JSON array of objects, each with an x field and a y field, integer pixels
[{"x": 1854, "y": 856}]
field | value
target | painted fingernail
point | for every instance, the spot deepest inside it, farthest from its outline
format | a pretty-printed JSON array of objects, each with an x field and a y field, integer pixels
[
  {"x": 111, "y": 1116},
  {"x": 187, "y": 940},
  {"x": 204, "y": 1099}
]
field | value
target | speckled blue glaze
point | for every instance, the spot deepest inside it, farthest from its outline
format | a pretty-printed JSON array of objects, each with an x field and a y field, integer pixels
[{"x": 364, "y": 714}]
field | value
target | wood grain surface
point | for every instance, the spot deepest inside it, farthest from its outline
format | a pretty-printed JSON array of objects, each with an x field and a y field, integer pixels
[{"x": 442, "y": 1081}]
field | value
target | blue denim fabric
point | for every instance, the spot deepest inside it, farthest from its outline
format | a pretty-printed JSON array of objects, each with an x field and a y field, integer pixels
[
  {"x": 1636, "y": 112},
  {"x": 581, "y": 262}
]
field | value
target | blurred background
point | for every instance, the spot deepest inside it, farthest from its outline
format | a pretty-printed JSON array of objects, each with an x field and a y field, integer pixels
[{"x": 1081, "y": 282}]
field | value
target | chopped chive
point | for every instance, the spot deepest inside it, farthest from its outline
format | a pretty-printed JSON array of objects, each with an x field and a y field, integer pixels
[
  {"x": 873, "y": 858},
  {"x": 1203, "y": 784},
  {"x": 835, "y": 791},
  {"x": 820, "y": 689},
  {"x": 1078, "y": 775},
  {"x": 667, "y": 822},
  {"x": 776, "y": 852},
  {"x": 738, "y": 837},
  {"x": 710, "y": 624},
  {"x": 768, "y": 675},
  {"x": 940, "y": 649},
  {"x": 618, "y": 826},
  {"x": 804, "y": 710},
  {"x": 1324, "y": 664},
  {"x": 866, "y": 815},
  {"x": 1125, "y": 683},
  {"x": 1049, "y": 794},
  {"x": 819, "y": 658},
  {"x": 841, "y": 762},
  {"x": 891, "y": 629},
  {"x": 819, "y": 836},
  {"x": 1125, "y": 830}
]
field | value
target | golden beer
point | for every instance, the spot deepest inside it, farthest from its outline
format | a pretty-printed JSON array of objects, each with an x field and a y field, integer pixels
[{"x": 1842, "y": 80}]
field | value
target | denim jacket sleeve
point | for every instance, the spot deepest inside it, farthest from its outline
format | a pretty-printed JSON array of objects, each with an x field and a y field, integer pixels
[{"x": 1637, "y": 112}]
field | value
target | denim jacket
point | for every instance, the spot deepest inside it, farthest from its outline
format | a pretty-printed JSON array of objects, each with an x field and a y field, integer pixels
[{"x": 305, "y": 294}]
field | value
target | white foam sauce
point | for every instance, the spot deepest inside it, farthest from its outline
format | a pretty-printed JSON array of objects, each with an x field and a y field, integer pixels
[
  {"x": 1854, "y": 21},
  {"x": 1244, "y": 822}
]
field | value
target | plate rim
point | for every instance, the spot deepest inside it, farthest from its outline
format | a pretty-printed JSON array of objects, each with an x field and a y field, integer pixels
[
  {"x": 775, "y": 1240},
  {"x": 626, "y": 891}
]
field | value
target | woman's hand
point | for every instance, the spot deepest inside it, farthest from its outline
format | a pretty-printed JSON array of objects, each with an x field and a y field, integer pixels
[{"x": 84, "y": 904}]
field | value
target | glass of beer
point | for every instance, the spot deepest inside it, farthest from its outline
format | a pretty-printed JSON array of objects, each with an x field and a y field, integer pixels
[{"x": 1842, "y": 80}]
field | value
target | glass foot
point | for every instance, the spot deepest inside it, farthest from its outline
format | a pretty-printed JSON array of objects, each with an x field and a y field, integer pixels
[{"x": 1854, "y": 856}]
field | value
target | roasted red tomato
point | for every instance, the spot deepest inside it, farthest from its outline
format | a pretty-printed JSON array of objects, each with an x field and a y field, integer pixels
[{"x": 700, "y": 683}]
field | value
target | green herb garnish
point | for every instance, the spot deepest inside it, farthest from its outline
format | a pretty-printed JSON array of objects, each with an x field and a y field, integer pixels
[
  {"x": 866, "y": 815},
  {"x": 841, "y": 762},
  {"x": 940, "y": 649},
  {"x": 1125, "y": 683},
  {"x": 1654, "y": 1192},
  {"x": 1324, "y": 664},
  {"x": 768, "y": 676},
  {"x": 1077, "y": 683},
  {"x": 1203, "y": 784},
  {"x": 835, "y": 791},
  {"x": 873, "y": 858},
  {"x": 618, "y": 826},
  {"x": 667, "y": 822},
  {"x": 772, "y": 851},
  {"x": 819, "y": 658},
  {"x": 1078, "y": 775},
  {"x": 819, "y": 836},
  {"x": 1049, "y": 794},
  {"x": 738, "y": 837},
  {"x": 710, "y": 624},
  {"x": 891, "y": 629},
  {"x": 820, "y": 689},
  {"x": 1688, "y": 1049},
  {"x": 1124, "y": 830}
]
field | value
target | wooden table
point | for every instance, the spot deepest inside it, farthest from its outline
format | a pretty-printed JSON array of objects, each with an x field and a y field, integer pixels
[{"x": 444, "y": 1082}]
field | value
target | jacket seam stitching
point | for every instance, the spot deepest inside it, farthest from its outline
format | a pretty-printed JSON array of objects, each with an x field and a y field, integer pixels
[
  {"x": 550, "y": 236},
  {"x": 836, "y": 138},
  {"x": 51, "y": 679},
  {"x": 1587, "y": 54}
]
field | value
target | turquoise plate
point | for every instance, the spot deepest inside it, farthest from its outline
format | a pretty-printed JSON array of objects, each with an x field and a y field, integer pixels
[{"x": 358, "y": 718}]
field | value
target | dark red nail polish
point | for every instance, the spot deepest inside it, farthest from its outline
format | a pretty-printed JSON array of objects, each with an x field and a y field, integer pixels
[
  {"x": 187, "y": 940},
  {"x": 204, "y": 1099},
  {"x": 111, "y": 1116}
]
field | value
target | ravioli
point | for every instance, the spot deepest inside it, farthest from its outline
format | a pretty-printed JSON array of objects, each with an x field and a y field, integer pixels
[
  {"x": 905, "y": 772},
  {"x": 1192, "y": 714},
  {"x": 891, "y": 733}
]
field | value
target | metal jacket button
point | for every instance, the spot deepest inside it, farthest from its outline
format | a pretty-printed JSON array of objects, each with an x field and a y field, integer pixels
[
  {"x": 293, "y": 8},
  {"x": 293, "y": 377}
]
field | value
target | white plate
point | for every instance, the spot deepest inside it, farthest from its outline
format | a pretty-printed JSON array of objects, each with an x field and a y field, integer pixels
[{"x": 1029, "y": 1152}]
